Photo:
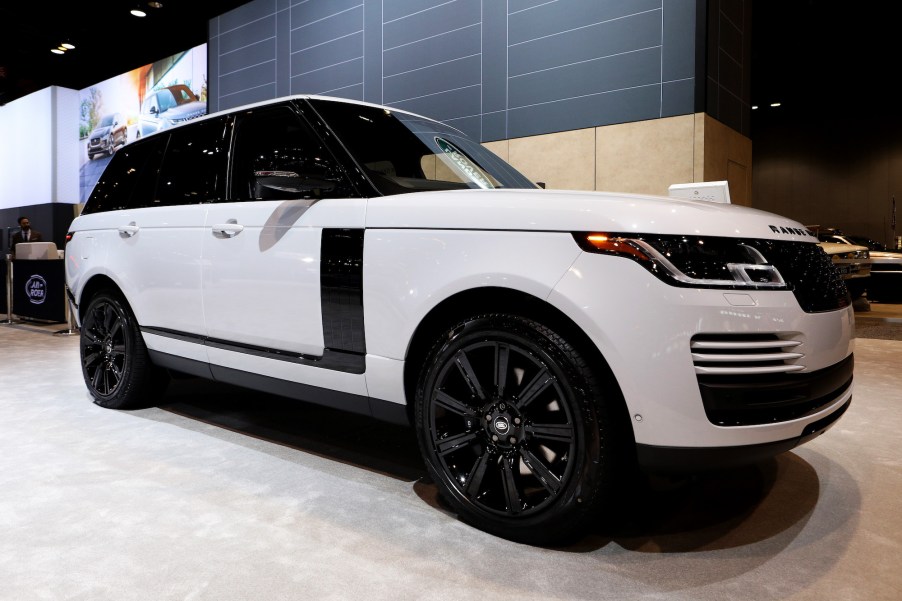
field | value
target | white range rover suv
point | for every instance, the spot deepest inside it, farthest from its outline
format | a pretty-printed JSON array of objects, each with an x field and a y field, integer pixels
[{"x": 538, "y": 341}]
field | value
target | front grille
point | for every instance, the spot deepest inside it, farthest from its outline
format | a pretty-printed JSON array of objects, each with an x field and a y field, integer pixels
[
  {"x": 815, "y": 281},
  {"x": 744, "y": 354},
  {"x": 763, "y": 398}
]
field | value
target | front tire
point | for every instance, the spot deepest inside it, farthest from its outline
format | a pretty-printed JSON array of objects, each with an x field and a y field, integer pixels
[
  {"x": 514, "y": 430},
  {"x": 114, "y": 359}
]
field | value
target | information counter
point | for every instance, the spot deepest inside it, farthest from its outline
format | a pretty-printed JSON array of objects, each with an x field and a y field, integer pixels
[
  {"x": 3, "y": 270},
  {"x": 39, "y": 289}
]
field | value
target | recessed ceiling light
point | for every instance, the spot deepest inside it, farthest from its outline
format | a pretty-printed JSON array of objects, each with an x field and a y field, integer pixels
[
  {"x": 155, "y": 4},
  {"x": 62, "y": 48},
  {"x": 68, "y": 46},
  {"x": 56, "y": 51},
  {"x": 775, "y": 104},
  {"x": 754, "y": 107},
  {"x": 138, "y": 12}
]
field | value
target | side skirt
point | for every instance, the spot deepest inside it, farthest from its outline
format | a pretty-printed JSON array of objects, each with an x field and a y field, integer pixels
[{"x": 345, "y": 401}]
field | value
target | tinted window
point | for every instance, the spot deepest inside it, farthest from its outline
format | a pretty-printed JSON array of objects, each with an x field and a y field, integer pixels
[
  {"x": 400, "y": 152},
  {"x": 278, "y": 157},
  {"x": 129, "y": 179},
  {"x": 193, "y": 169}
]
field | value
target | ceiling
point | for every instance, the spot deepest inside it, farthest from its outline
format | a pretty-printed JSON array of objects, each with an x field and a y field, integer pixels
[
  {"x": 825, "y": 57},
  {"x": 108, "y": 40},
  {"x": 804, "y": 52}
]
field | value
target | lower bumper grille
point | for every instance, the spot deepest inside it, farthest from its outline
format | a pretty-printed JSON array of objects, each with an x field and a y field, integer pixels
[{"x": 744, "y": 400}]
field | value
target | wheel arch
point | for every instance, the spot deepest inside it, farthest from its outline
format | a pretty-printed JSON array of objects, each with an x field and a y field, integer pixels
[
  {"x": 94, "y": 285},
  {"x": 495, "y": 299}
]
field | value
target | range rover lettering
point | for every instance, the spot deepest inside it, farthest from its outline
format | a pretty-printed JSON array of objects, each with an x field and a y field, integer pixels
[{"x": 538, "y": 341}]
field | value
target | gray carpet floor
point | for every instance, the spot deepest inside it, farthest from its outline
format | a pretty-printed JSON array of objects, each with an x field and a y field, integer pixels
[{"x": 224, "y": 494}]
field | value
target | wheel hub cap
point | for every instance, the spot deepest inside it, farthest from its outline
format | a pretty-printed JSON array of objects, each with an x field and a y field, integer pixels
[{"x": 503, "y": 425}]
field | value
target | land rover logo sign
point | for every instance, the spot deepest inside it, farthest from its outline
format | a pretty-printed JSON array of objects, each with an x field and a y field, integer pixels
[{"x": 36, "y": 289}]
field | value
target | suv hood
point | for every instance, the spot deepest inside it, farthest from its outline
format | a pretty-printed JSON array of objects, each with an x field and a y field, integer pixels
[
  {"x": 182, "y": 112},
  {"x": 570, "y": 211},
  {"x": 99, "y": 132}
]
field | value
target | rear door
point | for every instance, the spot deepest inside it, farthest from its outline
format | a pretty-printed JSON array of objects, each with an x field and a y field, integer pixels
[{"x": 161, "y": 188}]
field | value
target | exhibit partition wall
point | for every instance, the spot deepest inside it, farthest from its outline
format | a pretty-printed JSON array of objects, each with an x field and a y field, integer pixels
[
  {"x": 585, "y": 94},
  {"x": 39, "y": 163}
]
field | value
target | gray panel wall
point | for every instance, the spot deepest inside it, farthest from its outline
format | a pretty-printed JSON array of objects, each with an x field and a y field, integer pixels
[{"x": 496, "y": 69}]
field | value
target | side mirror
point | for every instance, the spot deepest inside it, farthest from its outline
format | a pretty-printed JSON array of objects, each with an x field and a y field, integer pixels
[{"x": 154, "y": 110}]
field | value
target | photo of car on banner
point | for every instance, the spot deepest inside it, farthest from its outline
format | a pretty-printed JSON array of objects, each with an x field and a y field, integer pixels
[
  {"x": 110, "y": 134},
  {"x": 542, "y": 343},
  {"x": 132, "y": 105}
]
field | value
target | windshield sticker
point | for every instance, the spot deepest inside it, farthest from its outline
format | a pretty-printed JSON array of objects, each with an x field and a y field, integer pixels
[{"x": 462, "y": 162}]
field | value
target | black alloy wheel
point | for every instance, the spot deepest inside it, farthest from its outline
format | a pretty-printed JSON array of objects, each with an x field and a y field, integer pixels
[
  {"x": 114, "y": 359},
  {"x": 510, "y": 425}
]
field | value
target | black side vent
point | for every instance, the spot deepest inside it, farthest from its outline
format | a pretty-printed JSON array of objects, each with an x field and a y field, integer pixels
[{"x": 341, "y": 278}]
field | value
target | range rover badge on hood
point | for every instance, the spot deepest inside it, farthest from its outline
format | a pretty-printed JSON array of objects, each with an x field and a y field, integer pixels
[{"x": 779, "y": 229}]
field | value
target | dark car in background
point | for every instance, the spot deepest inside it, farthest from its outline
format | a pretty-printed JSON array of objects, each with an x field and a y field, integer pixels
[
  {"x": 886, "y": 266},
  {"x": 169, "y": 106},
  {"x": 109, "y": 134}
]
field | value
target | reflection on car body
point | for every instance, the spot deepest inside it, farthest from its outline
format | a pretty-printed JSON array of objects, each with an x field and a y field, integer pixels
[{"x": 540, "y": 342}]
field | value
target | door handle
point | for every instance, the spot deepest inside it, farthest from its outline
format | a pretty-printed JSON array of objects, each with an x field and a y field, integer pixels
[
  {"x": 228, "y": 230},
  {"x": 128, "y": 230}
]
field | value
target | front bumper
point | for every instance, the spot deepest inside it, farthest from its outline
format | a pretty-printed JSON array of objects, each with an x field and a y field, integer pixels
[
  {"x": 689, "y": 459},
  {"x": 98, "y": 145},
  {"x": 648, "y": 333}
]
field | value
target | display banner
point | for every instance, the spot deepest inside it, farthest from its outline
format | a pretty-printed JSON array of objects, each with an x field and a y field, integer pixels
[{"x": 39, "y": 289}]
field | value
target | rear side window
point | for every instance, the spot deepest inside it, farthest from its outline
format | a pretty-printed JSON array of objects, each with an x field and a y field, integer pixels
[
  {"x": 278, "y": 157},
  {"x": 129, "y": 179},
  {"x": 193, "y": 169}
]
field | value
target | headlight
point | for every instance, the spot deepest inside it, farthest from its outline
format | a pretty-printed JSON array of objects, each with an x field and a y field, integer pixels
[
  {"x": 855, "y": 254},
  {"x": 692, "y": 261}
]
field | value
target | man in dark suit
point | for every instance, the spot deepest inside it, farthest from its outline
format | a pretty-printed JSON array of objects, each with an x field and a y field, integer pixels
[{"x": 25, "y": 234}]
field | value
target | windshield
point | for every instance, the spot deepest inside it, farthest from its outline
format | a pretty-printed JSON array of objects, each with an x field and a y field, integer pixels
[
  {"x": 862, "y": 241},
  {"x": 404, "y": 153},
  {"x": 106, "y": 121}
]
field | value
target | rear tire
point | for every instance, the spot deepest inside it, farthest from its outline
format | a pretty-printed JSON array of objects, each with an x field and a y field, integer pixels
[
  {"x": 114, "y": 359},
  {"x": 514, "y": 430}
]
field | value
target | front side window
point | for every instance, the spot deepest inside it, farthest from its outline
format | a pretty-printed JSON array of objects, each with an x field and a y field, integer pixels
[
  {"x": 401, "y": 152},
  {"x": 278, "y": 157}
]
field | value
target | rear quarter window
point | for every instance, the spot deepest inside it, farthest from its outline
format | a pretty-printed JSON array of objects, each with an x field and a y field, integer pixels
[{"x": 129, "y": 179}]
